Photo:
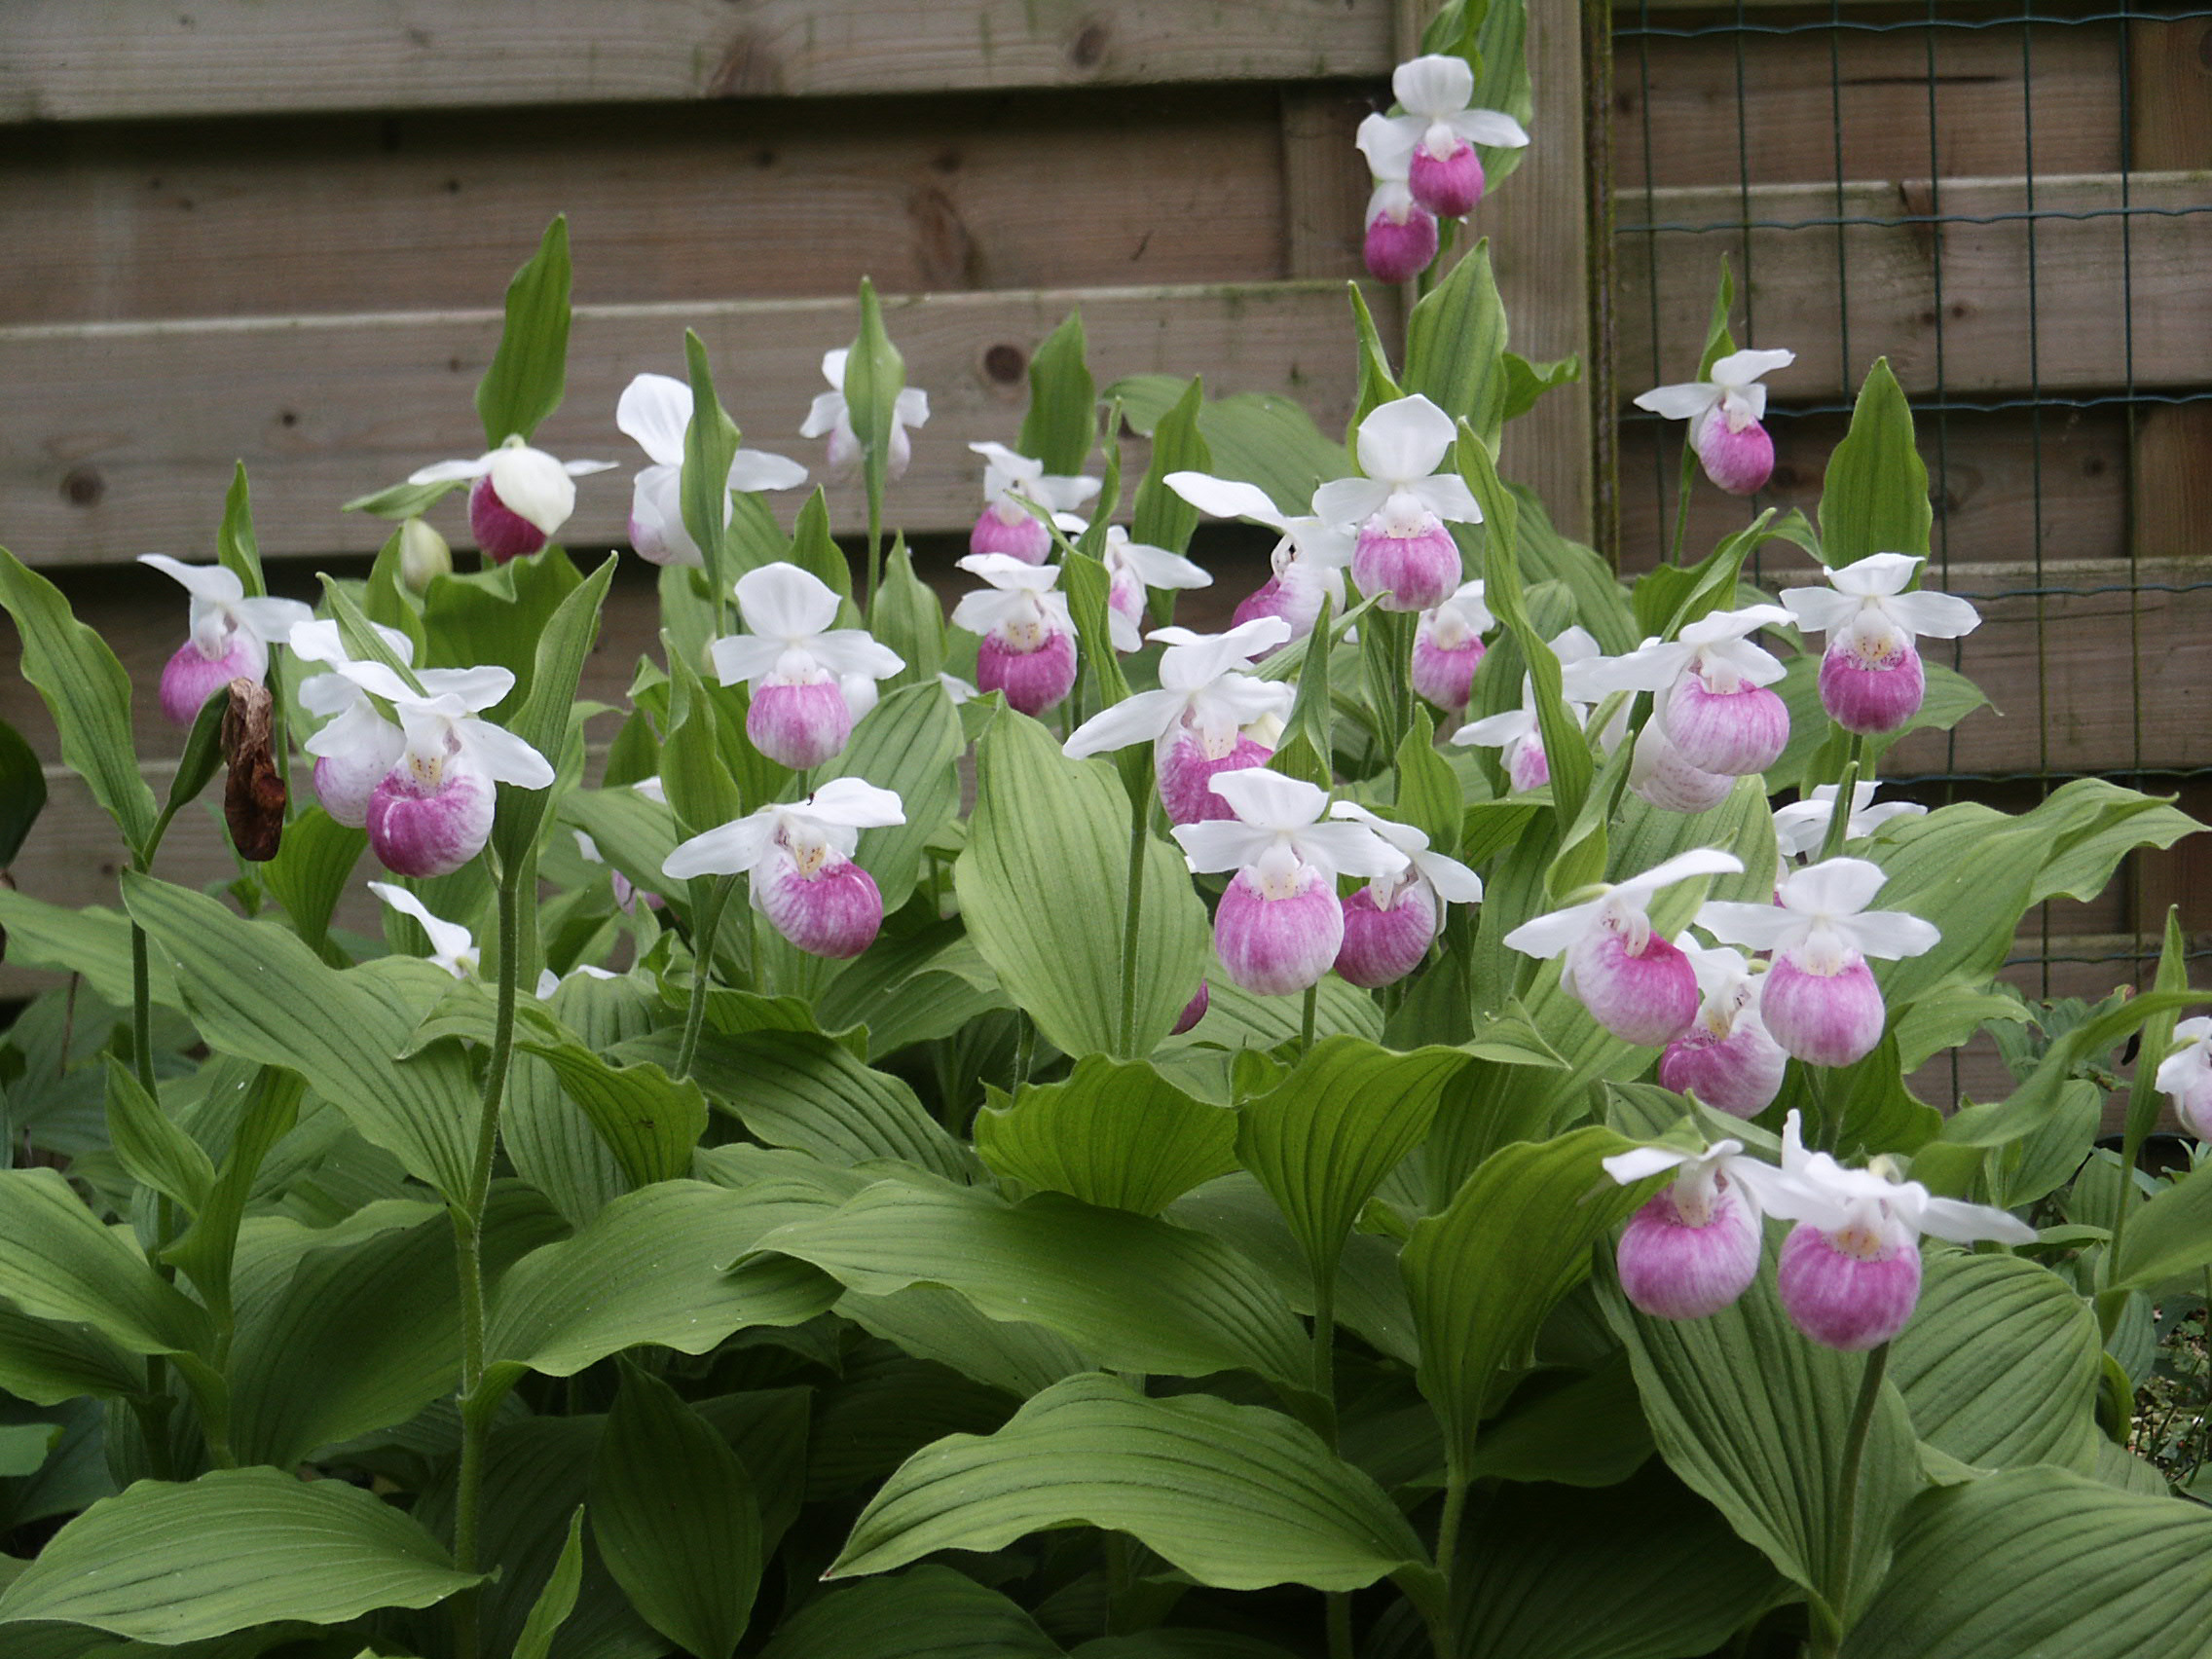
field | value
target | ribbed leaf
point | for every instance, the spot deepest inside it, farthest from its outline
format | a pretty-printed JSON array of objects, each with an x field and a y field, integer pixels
[
  {"x": 529, "y": 369},
  {"x": 1112, "y": 1133},
  {"x": 310, "y": 870},
  {"x": 934, "y": 1323},
  {"x": 23, "y": 791},
  {"x": 257, "y": 992},
  {"x": 1237, "y": 1497},
  {"x": 649, "y": 1120},
  {"x": 58, "y": 1260},
  {"x": 928, "y": 1612},
  {"x": 47, "y": 1362},
  {"x": 1062, "y": 427},
  {"x": 1456, "y": 346},
  {"x": 1160, "y": 517},
  {"x": 238, "y": 1547},
  {"x": 907, "y": 743},
  {"x": 152, "y": 1150},
  {"x": 557, "y": 1599},
  {"x": 95, "y": 941},
  {"x": 882, "y": 1410},
  {"x": 1874, "y": 499},
  {"x": 1140, "y": 1293},
  {"x": 1044, "y": 885},
  {"x": 543, "y": 720},
  {"x": 553, "y": 1143},
  {"x": 2039, "y": 1561}
]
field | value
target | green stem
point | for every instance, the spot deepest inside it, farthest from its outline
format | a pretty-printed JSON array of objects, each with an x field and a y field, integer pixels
[
  {"x": 1131, "y": 918},
  {"x": 1325, "y": 1346},
  {"x": 1306, "y": 1020},
  {"x": 702, "y": 972},
  {"x": 1340, "y": 1626},
  {"x": 1447, "y": 1552},
  {"x": 141, "y": 1011},
  {"x": 874, "y": 536},
  {"x": 1683, "y": 502},
  {"x": 1825, "y": 1642}
]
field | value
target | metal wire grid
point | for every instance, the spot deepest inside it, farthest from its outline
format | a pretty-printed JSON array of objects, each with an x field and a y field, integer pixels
[{"x": 1634, "y": 29}]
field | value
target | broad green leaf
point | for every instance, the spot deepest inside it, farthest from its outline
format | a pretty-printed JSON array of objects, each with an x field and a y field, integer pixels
[
  {"x": 1140, "y": 1293},
  {"x": 905, "y": 614},
  {"x": 24, "y": 1447},
  {"x": 1874, "y": 499},
  {"x": 1485, "y": 1271},
  {"x": 930, "y": 1323},
  {"x": 269, "y": 1111},
  {"x": 884, "y": 1408},
  {"x": 235, "y": 548},
  {"x": 675, "y": 1517},
  {"x": 1999, "y": 1365},
  {"x": 1062, "y": 427},
  {"x": 557, "y": 1599},
  {"x": 1601, "y": 603},
  {"x": 2040, "y": 1561},
  {"x": 709, "y": 443},
  {"x": 649, "y": 1121},
  {"x": 1186, "y": 1476},
  {"x": 153, "y": 1150},
  {"x": 1754, "y": 1417},
  {"x": 543, "y": 720},
  {"x": 1263, "y": 439},
  {"x": 1527, "y": 381},
  {"x": 47, "y": 1362},
  {"x": 257, "y": 992},
  {"x": 909, "y": 744},
  {"x": 1043, "y": 886},
  {"x": 1587, "y": 1431},
  {"x": 1429, "y": 791},
  {"x": 529, "y": 369},
  {"x": 87, "y": 692},
  {"x": 1456, "y": 346},
  {"x": 1237, "y": 1018},
  {"x": 1378, "y": 385},
  {"x": 23, "y": 791},
  {"x": 495, "y": 615},
  {"x": 1161, "y": 518},
  {"x": 700, "y": 788},
  {"x": 58, "y": 1260},
  {"x": 234, "y": 1548},
  {"x": 553, "y": 1142},
  {"x": 1113, "y": 1133},
  {"x": 2169, "y": 1236},
  {"x": 312, "y": 869},
  {"x": 95, "y": 941},
  {"x": 926, "y": 1613}
]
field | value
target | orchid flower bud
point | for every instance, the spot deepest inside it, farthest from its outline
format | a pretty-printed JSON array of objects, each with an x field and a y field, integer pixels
[
  {"x": 1849, "y": 1274},
  {"x": 231, "y": 635},
  {"x": 1193, "y": 1011},
  {"x": 1725, "y": 1058},
  {"x": 519, "y": 497},
  {"x": 1390, "y": 922},
  {"x": 1634, "y": 982},
  {"x": 1006, "y": 525},
  {"x": 1309, "y": 562},
  {"x": 796, "y": 665},
  {"x": 1279, "y": 926},
  {"x": 1820, "y": 1001},
  {"x": 1725, "y": 413},
  {"x": 831, "y": 416},
  {"x": 2185, "y": 1076},
  {"x": 1027, "y": 650},
  {"x": 1871, "y": 677},
  {"x": 424, "y": 556},
  {"x": 1693, "y": 1247},
  {"x": 452, "y": 947},
  {"x": 1432, "y": 145},
  {"x": 799, "y": 858},
  {"x": 655, "y": 411},
  {"x": 1404, "y": 554},
  {"x": 1447, "y": 647}
]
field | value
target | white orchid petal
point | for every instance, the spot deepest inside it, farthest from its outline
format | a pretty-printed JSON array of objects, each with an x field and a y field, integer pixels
[
  {"x": 1156, "y": 566},
  {"x": 752, "y": 471},
  {"x": 452, "y": 472},
  {"x": 1963, "y": 1223},
  {"x": 853, "y": 803},
  {"x": 273, "y": 620},
  {"x": 1346, "y": 849},
  {"x": 854, "y": 651},
  {"x": 448, "y": 940},
  {"x": 1836, "y": 887},
  {"x": 1640, "y": 1163},
  {"x": 744, "y": 657},
  {"x": 1448, "y": 497},
  {"x": 504, "y": 756},
  {"x": 1221, "y": 844},
  {"x": 585, "y": 469},
  {"x": 215, "y": 582},
  {"x": 728, "y": 849},
  {"x": 1434, "y": 84},
  {"x": 1754, "y": 927},
  {"x": 1741, "y": 368},
  {"x": 1890, "y": 935},
  {"x": 1387, "y": 142},
  {"x": 1140, "y": 719},
  {"x": 1349, "y": 501},
  {"x": 1552, "y": 932},
  {"x": 1401, "y": 441},
  {"x": 475, "y": 689},
  {"x": 1271, "y": 800},
  {"x": 1877, "y": 575},
  {"x": 1491, "y": 128},
  {"x": 1009, "y": 574},
  {"x": 1698, "y": 861},
  {"x": 1225, "y": 498},
  {"x": 1938, "y": 616},
  {"x": 655, "y": 411},
  {"x": 1818, "y": 610},
  {"x": 783, "y": 601},
  {"x": 533, "y": 486},
  {"x": 1453, "y": 880},
  {"x": 825, "y": 414},
  {"x": 1684, "y": 402}
]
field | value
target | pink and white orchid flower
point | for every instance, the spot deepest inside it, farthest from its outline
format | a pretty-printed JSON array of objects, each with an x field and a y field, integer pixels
[
  {"x": 1658, "y": 774},
  {"x": 1710, "y": 686},
  {"x": 231, "y": 635},
  {"x": 1131, "y": 567},
  {"x": 1820, "y": 1001},
  {"x": 1404, "y": 555},
  {"x": 1447, "y": 647},
  {"x": 796, "y": 663},
  {"x": 1027, "y": 649},
  {"x": 1634, "y": 982},
  {"x": 1432, "y": 145},
  {"x": 356, "y": 746},
  {"x": 655, "y": 410},
  {"x": 1515, "y": 731},
  {"x": 1725, "y": 414},
  {"x": 1308, "y": 560},
  {"x": 1008, "y": 526},
  {"x": 2185, "y": 1076},
  {"x": 1198, "y": 720},
  {"x": 519, "y": 498},
  {"x": 1726, "y": 1057},
  {"x": 452, "y": 947},
  {"x": 1849, "y": 1274},
  {"x": 1801, "y": 827},
  {"x": 1693, "y": 1247},
  {"x": 1279, "y": 926},
  {"x": 1401, "y": 238},
  {"x": 830, "y": 415},
  {"x": 798, "y": 856},
  {"x": 1871, "y": 677},
  {"x": 1391, "y": 921}
]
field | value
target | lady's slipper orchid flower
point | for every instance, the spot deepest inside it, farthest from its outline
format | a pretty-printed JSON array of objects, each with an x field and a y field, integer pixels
[
  {"x": 794, "y": 661},
  {"x": 1390, "y": 922},
  {"x": 231, "y": 635},
  {"x": 1710, "y": 689},
  {"x": 1820, "y": 1001},
  {"x": 1724, "y": 415},
  {"x": 1279, "y": 926},
  {"x": 1694, "y": 1247},
  {"x": 1432, "y": 145},
  {"x": 1028, "y": 638},
  {"x": 655, "y": 410},
  {"x": 1404, "y": 554},
  {"x": 2185, "y": 1076},
  {"x": 1871, "y": 677},
  {"x": 1308, "y": 560},
  {"x": 1515, "y": 731},
  {"x": 1802, "y": 827},
  {"x": 1634, "y": 982},
  {"x": 431, "y": 813},
  {"x": 1008, "y": 526},
  {"x": 1726, "y": 1057},
  {"x": 519, "y": 497},
  {"x": 1447, "y": 647},
  {"x": 1131, "y": 566},
  {"x": 1401, "y": 238},
  {"x": 1658, "y": 773},
  {"x": 831, "y": 415},
  {"x": 1849, "y": 1274},
  {"x": 800, "y": 859},
  {"x": 424, "y": 556},
  {"x": 452, "y": 947},
  {"x": 1196, "y": 719},
  {"x": 356, "y": 746}
]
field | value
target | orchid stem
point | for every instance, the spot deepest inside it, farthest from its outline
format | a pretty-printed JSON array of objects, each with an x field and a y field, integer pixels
[
  {"x": 1132, "y": 917},
  {"x": 1683, "y": 502},
  {"x": 1306, "y": 1020},
  {"x": 1340, "y": 1626},
  {"x": 1447, "y": 1550},
  {"x": 1847, "y": 1496},
  {"x": 702, "y": 972}
]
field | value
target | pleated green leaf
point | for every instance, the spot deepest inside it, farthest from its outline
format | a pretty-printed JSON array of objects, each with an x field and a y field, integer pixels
[
  {"x": 310, "y": 870},
  {"x": 930, "y": 1322},
  {"x": 2169, "y": 1236},
  {"x": 543, "y": 720},
  {"x": 908, "y": 744},
  {"x": 23, "y": 791},
  {"x": 2040, "y": 1561},
  {"x": 553, "y": 1142},
  {"x": 238, "y": 1547},
  {"x": 883, "y": 1409},
  {"x": 1138, "y": 1293},
  {"x": 257, "y": 992},
  {"x": 152, "y": 1150},
  {"x": 1237, "y": 1497},
  {"x": 1874, "y": 499},
  {"x": 1753, "y": 1418},
  {"x": 675, "y": 1517},
  {"x": 1485, "y": 1271},
  {"x": 58, "y": 1260},
  {"x": 557, "y": 1599},
  {"x": 1456, "y": 346},
  {"x": 48, "y": 1361},
  {"x": 928, "y": 1612},
  {"x": 95, "y": 941},
  {"x": 649, "y": 1121},
  {"x": 1061, "y": 426},
  {"x": 2001, "y": 1364},
  {"x": 529, "y": 369},
  {"x": 1044, "y": 885},
  {"x": 1112, "y": 1133}
]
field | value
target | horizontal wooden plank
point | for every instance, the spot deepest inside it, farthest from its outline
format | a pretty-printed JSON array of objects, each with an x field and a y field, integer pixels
[
  {"x": 98, "y": 60},
  {"x": 129, "y": 444},
  {"x": 749, "y": 200},
  {"x": 2066, "y": 332}
]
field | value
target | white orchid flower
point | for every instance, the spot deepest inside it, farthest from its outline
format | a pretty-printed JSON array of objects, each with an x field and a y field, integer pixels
[
  {"x": 1871, "y": 1207},
  {"x": 1736, "y": 391},
  {"x": 1621, "y": 907},
  {"x": 1308, "y": 560},
  {"x": 790, "y": 613},
  {"x": 1205, "y": 687},
  {"x": 1435, "y": 92},
  {"x": 1401, "y": 445},
  {"x": 1132, "y": 566},
  {"x": 452, "y": 947},
  {"x": 549, "y": 981},
  {"x": 655, "y": 410},
  {"x": 229, "y": 639},
  {"x": 1010, "y": 479},
  {"x": 831, "y": 415},
  {"x": 1801, "y": 827},
  {"x": 1820, "y": 917},
  {"x": 527, "y": 482},
  {"x": 1451, "y": 880},
  {"x": 1715, "y": 647},
  {"x": 2184, "y": 1075},
  {"x": 798, "y": 859},
  {"x": 1278, "y": 827},
  {"x": 1866, "y": 601}
]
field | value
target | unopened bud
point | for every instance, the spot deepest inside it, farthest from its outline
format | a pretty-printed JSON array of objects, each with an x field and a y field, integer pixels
[
  {"x": 253, "y": 795},
  {"x": 423, "y": 554}
]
